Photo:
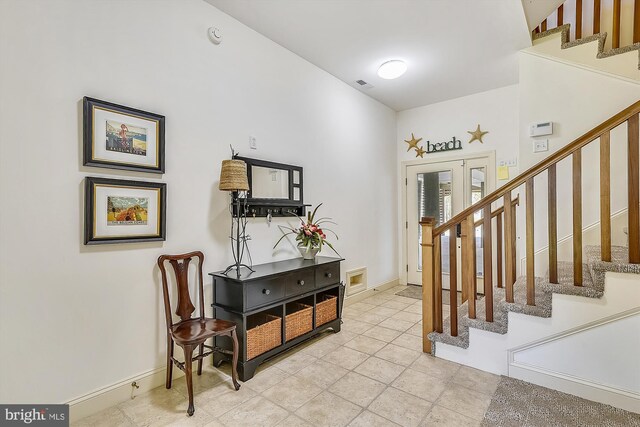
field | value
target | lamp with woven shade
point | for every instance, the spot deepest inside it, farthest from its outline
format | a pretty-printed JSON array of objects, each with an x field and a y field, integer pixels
[{"x": 233, "y": 178}]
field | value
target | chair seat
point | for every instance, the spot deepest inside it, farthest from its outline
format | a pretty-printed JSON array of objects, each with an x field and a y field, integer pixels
[{"x": 194, "y": 331}]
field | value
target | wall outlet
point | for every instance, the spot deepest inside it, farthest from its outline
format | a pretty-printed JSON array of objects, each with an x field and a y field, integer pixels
[
  {"x": 540, "y": 145},
  {"x": 252, "y": 143}
]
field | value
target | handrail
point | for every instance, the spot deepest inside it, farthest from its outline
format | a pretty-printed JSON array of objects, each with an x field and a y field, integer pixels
[
  {"x": 495, "y": 213},
  {"x": 559, "y": 155}
]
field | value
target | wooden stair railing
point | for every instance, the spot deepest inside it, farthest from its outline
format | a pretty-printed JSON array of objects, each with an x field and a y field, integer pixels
[
  {"x": 506, "y": 229},
  {"x": 597, "y": 15}
]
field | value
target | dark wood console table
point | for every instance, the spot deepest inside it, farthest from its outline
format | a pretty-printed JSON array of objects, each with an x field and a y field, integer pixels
[{"x": 270, "y": 290}]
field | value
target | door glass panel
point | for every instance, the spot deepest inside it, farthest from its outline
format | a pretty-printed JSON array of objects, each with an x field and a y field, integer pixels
[
  {"x": 478, "y": 190},
  {"x": 434, "y": 200}
]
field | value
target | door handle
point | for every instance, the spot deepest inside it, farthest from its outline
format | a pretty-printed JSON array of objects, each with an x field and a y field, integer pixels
[
  {"x": 301, "y": 282},
  {"x": 266, "y": 291}
]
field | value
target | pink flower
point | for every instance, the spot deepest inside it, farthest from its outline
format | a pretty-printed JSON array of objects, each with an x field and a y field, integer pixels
[{"x": 307, "y": 232}]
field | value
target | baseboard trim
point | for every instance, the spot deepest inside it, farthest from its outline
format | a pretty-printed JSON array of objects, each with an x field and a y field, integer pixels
[
  {"x": 578, "y": 387},
  {"x": 370, "y": 292},
  {"x": 106, "y": 397}
]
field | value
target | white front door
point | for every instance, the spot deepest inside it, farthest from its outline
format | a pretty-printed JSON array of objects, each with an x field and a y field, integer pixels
[{"x": 441, "y": 190}]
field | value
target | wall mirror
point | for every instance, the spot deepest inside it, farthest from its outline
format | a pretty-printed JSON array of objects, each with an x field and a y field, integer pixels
[{"x": 274, "y": 188}]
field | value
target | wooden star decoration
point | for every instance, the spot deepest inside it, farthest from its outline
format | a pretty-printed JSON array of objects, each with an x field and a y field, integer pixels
[
  {"x": 413, "y": 142},
  {"x": 477, "y": 135},
  {"x": 420, "y": 152}
]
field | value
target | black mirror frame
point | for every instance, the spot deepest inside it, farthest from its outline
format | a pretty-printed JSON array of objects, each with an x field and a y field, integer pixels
[{"x": 258, "y": 207}]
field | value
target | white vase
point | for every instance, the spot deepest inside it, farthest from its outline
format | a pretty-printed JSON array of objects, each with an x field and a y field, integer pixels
[{"x": 308, "y": 253}]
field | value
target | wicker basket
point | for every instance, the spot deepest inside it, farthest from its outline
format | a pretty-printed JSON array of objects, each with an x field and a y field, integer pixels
[
  {"x": 326, "y": 310},
  {"x": 299, "y": 322},
  {"x": 267, "y": 334}
]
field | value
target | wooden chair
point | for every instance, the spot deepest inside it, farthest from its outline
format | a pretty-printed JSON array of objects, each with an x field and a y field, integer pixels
[{"x": 191, "y": 332}]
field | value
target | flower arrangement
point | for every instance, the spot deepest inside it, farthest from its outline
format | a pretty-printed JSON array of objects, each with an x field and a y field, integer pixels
[{"x": 310, "y": 235}]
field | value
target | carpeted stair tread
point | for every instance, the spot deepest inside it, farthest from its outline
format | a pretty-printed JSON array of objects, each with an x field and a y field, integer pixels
[
  {"x": 619, "y": 263},
  {"x": 519, "y": 403},
  {"x": 462, "y": 340},
  {"x": 566, "y": 286},
  {"x": 500, "y": 324},
  {"x": 542, "y": 307}
]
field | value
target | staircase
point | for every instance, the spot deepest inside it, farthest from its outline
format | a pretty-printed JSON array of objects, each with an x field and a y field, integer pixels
[
  {"x": 581, "y": 23},
  {"x": 503, "y": 292}
]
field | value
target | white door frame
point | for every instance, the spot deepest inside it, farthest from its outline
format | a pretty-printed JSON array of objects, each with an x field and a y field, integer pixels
[{"x": 491, "y": 186}]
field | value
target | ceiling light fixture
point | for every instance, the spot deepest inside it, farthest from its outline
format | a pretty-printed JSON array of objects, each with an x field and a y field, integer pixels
[{"x": 392, "y": 69}]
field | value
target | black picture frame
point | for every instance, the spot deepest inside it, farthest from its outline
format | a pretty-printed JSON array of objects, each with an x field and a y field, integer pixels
[
  {"x": 90, "y": 151},
  {"x": 90, "y": 212}
]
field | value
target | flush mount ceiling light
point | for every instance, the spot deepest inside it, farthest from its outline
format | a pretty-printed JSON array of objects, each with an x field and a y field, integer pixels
[{"x": 392, "y": 69}]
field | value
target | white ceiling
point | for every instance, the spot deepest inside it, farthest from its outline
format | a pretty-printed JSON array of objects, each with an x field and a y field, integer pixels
[{"x": 453, "y": 47}]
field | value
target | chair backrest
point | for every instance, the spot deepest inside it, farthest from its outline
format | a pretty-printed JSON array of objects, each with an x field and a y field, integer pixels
[{"x": 180, "y": 264}]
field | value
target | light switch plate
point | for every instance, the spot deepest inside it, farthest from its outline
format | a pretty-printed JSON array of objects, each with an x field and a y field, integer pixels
[{"x": 540, "y": 145}]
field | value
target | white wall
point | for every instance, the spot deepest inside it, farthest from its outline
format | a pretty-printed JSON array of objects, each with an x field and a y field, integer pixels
[
  {"x": 496, "y": 111},
  {"x": 74, "y": 319},
  {"x": 576, "y": 100}
]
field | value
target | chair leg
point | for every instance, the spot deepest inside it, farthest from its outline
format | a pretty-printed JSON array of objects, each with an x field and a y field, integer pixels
[
  {"x": 188, "y": 362},
  {"x": 234, "y": 372},
  {"x": 169, "y": 361},
  {"x": 200, "y": 360}
]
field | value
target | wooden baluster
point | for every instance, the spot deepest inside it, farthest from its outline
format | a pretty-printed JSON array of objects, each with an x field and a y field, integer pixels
[
  {"x": 513, "y": 243},
  {"x": 453, "y": 280},
  {"x": 509, "y": 247},
  {"x": 553, "y": 226},
  {"x": 560, "y": 15},
  {"x": 578, "y": 19},
  {"x": 615, "y": 33},
  {"x": 633, "y": 171},
  {"x": 577, "y": 217},
  {"x": 427, "y": 282},
  {"x": 543, "y": 26},
  {"x": 463, "y": 288},
  {"x": 596, "y": 16},
  {"x": 605, "y": 196},
  {"x": 636, "y": 21},
  {"x": 499, "y": 249},
  {"x": 531, "y": 271},
  {"x": 487, "y": 255},
  {"x": 468, "y": 263},
  {"x": 437, "y": 283}
]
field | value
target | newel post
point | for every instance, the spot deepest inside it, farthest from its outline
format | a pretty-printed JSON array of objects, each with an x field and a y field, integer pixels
[{"x": 428, "y": 309}]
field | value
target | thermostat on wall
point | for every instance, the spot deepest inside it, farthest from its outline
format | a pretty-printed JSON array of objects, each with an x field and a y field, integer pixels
[{"x": 541, "y": 129}]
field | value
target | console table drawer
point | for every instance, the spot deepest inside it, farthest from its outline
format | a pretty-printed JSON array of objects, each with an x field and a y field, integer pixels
[
  {"x": 300, "y": 282},
  {"x": 327, "y": 274},
  {"x": 263, "y": 292}
]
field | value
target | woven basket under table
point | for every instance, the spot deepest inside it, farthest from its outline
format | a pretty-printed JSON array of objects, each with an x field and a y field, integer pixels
[
  {"x": 267, "y": 334},
  {"x": 327, "y": 309},
  {"x": 299, "y": 322}
]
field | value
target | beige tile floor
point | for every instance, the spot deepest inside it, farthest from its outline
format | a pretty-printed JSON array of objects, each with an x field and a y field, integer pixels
[{"x": 372, "y": 373}]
